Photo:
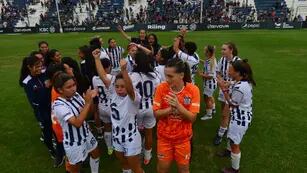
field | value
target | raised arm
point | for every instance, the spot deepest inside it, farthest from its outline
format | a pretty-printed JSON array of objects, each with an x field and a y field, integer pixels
[
  {"x": 120, "y": 29},
  {"x": 128, "y": 82},
  {"x": 146, "y": 50},
  {"x": 100, "y": 70}
]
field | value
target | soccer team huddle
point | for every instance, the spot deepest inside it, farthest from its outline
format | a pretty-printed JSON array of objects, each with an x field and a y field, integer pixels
[{"x": 151, "y": 89}]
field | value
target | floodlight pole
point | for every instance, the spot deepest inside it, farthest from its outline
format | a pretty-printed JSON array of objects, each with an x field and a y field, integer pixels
[
  {"x": 59, "y": 19},
  {"x": 201, "y": 11}
]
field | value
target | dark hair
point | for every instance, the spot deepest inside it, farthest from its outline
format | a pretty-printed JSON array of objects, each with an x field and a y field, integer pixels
[
  {"x": 85, "y": 50},
  {"x": 82, "y": 83},
  {"x": 95, "y": 42},
  {"x": 233, "y": 47},
  {"x": 24, "y": 71},
  {"x": 60, "y": 79},
  {"x": 119, "y": 76},
  {"x": 110, "y": 39},
  {"x": 143, "y": 63},
  {"x": 33, "y": 53},
  {"x": 245, "y": 70},
  {"x": 181, "y": 67},
  {"x": 166, "y": 55},
  {"x": 49, "y": 56},
  {"x": 190, "y": 47},
  {"x": 106, "y": 63},
  {"x": 42, "y": 42},
  {"x": 54, "y": 68},
  {"x": 155, "y": 37}
]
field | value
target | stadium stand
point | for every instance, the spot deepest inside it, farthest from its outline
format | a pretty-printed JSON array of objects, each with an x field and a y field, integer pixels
[{"x": 20, "y": 13}]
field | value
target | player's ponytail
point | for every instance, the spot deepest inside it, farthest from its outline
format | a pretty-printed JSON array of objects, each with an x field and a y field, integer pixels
[
  {"x": 211, "y": 52},
  {"x": 245, "y": 70},
  {"x": 143, "y": 64},
  {"x": 24, "y": 71},
  {"x": 233, "y": 47},
  {"x": 180, "y": 67},
  {"x": 26, "y": 63}
]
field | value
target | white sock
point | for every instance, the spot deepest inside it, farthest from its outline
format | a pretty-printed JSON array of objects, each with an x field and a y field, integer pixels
[
  {"x": 228, "y": 146},
  {"x": 94, "y": 163},
  {"x": 221, "y": 132},
  {"x": 235, "y": 160},
  {"x": 127, "y": 171},
  {"x": 108, "y": 139},
  {"x": 209, "y": 112},
  {"x": 213, "y": 106},
  {"x": 147, "y": 154}
]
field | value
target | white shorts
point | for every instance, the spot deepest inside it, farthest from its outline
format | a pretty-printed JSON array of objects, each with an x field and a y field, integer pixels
[
  {"x": 236, "y": 132},
  {"x": 221, "y": 96},
  {"x": 146, "y": 119},
  {"x": 132, "y": 148},
  {"x": 76, "y": 154},
  {"x": 105, "y": 115}
]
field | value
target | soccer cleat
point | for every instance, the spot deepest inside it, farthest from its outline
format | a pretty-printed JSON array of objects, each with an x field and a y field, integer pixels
[
  {"x": 217, "y": 140},
  {"x": 110, "y": 151},
  {"x": 206, "y": 117},
  {"x": 52, "y": 154},
  {"x": 230, "y": 170},
  {"x": 224, "y": 153},
  {"x": 213, "y": 111},
  {"x": 58, "y": 161}
]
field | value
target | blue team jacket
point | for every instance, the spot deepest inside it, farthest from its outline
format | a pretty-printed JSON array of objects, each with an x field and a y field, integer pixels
[{"x": 39, "y": 96}]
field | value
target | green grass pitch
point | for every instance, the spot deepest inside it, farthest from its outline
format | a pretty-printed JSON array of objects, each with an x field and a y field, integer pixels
[{"x": 276, "y": 141}]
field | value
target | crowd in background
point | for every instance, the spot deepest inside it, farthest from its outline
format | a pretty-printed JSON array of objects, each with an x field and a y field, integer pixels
[{"x": 102, "y": 13}]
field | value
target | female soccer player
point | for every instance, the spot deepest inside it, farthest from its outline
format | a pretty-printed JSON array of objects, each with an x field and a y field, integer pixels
[
  {"x": 102, "y": 81},
  {"x": 124, "y": 106},
  {"x": 153, "y": 43},
  {"x": 115, "y": 53},
  {"x": 145, "y": 80},
  {"x": 229, "y": 54},
  {"x": 54, "y": 57},
  {"x": 43, "y": 48},
  {"x": 71, "y": 110},
  {"x": 176, "y": 104},
  {"x": 190, "y": 56},
  {"x": 142, "y": 39},
  {"x": 162, "y": 58},
  {"x": 209, "y": 78},
  {"x": 239, "y": 98},
  {"x": 39, "y": 98}
]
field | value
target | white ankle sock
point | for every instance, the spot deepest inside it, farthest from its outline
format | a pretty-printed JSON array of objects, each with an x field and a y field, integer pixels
[
  {"x": 94, "y": 163},
  {"x": 108, "y": 139},
  {"x": 127, "y": 171},
  {"x": 147, "y": 154},
  {"x": 222, "y": 131},
  {"x": 235, "y": 160},
  {"x": 209, "y": 112}
]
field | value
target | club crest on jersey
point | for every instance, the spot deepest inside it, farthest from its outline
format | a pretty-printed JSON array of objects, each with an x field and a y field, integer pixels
[{"x": 186, "y": 100}]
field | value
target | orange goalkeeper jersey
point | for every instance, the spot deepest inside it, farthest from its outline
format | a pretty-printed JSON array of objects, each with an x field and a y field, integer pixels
[{"x": 173, "y": 127}]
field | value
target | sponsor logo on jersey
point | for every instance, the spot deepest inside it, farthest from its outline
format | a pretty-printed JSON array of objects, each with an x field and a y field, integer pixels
[{"x": 186, "y": 100}]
